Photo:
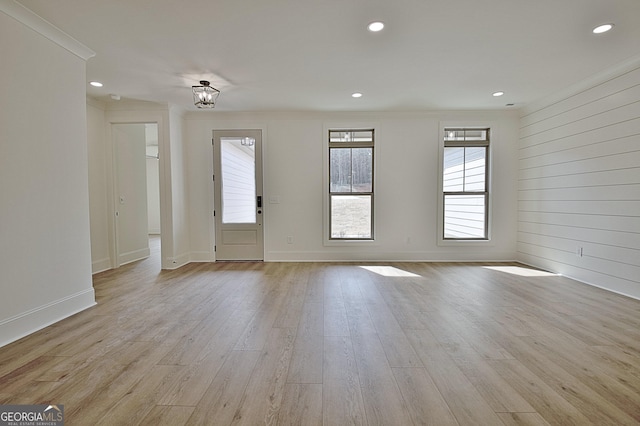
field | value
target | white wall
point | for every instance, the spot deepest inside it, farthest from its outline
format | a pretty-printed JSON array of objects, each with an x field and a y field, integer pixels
[
  {"x": 153, "y": 196},
  {"x": 179, "y": 191},
  {"x": 406, "y": 169},
  {"x": 45, "y": 260},
  {"x": 153, "y": 178},
  {"x": 98, "y": 207},
  {"x": 579, "y": 185}
]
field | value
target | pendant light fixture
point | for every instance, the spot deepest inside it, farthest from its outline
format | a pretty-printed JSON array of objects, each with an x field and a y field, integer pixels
[{"x": 204, "y": 96}]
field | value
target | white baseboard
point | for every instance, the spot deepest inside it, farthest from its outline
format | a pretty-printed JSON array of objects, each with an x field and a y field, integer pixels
[
  {"x": 100, "y": 265},
  {"x": 21, "y": 325},
  {"x": 399, "y": 256},
  {"x": 132, "y": 256},
  {"x": 574, "y": 274},
  {"x": 175, "y": 262}
]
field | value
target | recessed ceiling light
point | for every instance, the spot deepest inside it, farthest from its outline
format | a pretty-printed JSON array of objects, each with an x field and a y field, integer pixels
[
  {"x": 602, "y": 28},
  {"x": 496, "y": 94},
  {"x": 376, "y": 26},
  {"x": 356, "y": 95},
  {"x": 95, "y": 83}
]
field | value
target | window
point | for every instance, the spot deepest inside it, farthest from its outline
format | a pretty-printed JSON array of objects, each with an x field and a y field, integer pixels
[
  {"x": 351, "y": 184},
  {"x": 465, "y": 184}
]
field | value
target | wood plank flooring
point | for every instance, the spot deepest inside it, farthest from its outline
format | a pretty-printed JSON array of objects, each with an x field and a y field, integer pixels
[{"x": 335, "y": 344}]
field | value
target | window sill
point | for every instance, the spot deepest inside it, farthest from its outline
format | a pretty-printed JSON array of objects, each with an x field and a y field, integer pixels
[
  {"x": 347, "y": 243},
  {"x": 450, "y": 243}
]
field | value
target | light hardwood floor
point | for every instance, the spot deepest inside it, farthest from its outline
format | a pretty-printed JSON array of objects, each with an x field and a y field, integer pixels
[{"x": 335, "y": 344}]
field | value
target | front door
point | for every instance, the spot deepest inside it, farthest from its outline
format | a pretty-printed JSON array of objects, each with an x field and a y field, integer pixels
[{"x": 237, "y": 159}]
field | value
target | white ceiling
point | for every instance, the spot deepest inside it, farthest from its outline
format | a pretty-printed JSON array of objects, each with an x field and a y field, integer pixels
[{"x": 311, "y": 55}]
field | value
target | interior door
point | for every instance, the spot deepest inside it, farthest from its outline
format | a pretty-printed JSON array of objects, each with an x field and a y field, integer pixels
[
  {"x": 238, "y": 210},
  {"x": 131, "y": 228}
]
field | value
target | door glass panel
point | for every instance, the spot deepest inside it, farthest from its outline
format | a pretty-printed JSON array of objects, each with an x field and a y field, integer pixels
[{"x": 238, "y": 167}]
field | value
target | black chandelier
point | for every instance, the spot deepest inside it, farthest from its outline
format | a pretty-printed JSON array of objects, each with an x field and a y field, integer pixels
[{"x": 204, "y": 96}]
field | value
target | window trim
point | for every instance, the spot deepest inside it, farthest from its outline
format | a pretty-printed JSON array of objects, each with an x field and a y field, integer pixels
[
  {"x": 371, "y": 194},
  {"x": 326, "y": 228},
  {"x": 441, "y": 240}
]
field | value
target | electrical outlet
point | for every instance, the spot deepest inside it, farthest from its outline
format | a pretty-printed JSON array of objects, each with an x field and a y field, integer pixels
[{"x": 290, "y": 239}]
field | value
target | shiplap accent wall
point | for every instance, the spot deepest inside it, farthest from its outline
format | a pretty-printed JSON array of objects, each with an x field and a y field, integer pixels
[{"x": 579, "y": 183}]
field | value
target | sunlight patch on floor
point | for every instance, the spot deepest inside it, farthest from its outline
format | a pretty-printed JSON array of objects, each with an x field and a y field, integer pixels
[
  {"x": 523, "y": 272},
  {"x": 389, "y": 271}
]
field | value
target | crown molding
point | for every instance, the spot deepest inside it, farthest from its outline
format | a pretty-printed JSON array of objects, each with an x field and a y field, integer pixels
[{"x": 28, "y": 18}]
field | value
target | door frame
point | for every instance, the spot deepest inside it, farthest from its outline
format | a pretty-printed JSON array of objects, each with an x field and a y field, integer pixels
[
  {"x": 139, "y": 117},
  {"x": 259, "y": 170}
]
